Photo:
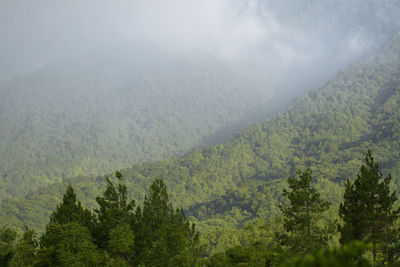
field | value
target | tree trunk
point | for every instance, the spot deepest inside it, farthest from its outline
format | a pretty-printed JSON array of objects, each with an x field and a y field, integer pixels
[{"x": 374, "y": 250}]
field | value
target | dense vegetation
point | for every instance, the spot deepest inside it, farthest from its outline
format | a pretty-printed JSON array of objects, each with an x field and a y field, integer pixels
[
  {"x": 235, "y": 192},
  {"x": 224, "y": 187},
  {"x": 107, "y": 110},
  {"x": 155, "y": 234},
  {"x": 96, "y": 113},
  {"x": 115, "y": 234}
]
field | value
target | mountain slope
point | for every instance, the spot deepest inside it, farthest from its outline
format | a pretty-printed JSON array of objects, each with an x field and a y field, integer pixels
[
  {"x": 107, "y": 111},
  {"x": 328, "y": 130},
  {"x": 179, "y": 84}
]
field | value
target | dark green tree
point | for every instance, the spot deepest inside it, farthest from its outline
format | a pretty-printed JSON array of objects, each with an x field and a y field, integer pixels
[
  {"x": 121, "y": 244},
  {"x": 26, "y": 250},
  {"x": 349, "y": 255},
  {"x": 301, "y": 216},
  {"x": 367, "y": 211},
  {"x": 256, "y": 254},
  {"x": 68, "y": 244},
  {"x": 166, "y": 237},
  {"x": 71, "y": 210},
  {"x": 114, "y": 209},
  {"x": 8, "y": 241}
]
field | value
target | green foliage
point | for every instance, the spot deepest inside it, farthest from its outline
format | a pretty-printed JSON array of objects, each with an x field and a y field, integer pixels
[
  {"x": 226, "y": 186},
  {"x": 222, "y": 188},
  {"x": 166, "y": 237},
  {"x": 8, "y": 239},
  {"x": 350, "y": 255},
  {"x": 256, "y": 254},
  {"x": 117, "y": 236},
  {"x": 26, "y": 250},
  {"x": 302, "y": 215},
  {"x": 70, "y": 210},
  {"x": 68, "y": 244},
  {"x": 114, "y": 210},
  {"x": 368, "y": 210},
  {"x": 121, "y": 243},
  {"x": 78, "y": 118},
  {"x": 328, "y": 130}
]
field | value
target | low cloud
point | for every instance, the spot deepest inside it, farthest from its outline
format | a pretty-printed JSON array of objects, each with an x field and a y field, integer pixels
[{"x": 273, "y": 36}]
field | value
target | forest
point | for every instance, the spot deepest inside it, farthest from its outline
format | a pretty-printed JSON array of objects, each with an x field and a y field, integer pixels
[
  {"x": 78, "y": 118},
  {"x": 221, "y": 162},
  {"x": 297, "y": 190},
  {"x": 108, "y": 108},
  {"x": 328, "y": 130},
  {"x": 119, "y": 233}
]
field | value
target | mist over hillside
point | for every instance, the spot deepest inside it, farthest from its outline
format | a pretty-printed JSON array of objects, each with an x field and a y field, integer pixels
[
  {"x": 225, "y": 186},
  {"x": 274, "y": 126},
  {"x": 111, "y": 112},
  {"x": 38, "y": 33},
  {"x": 93, "y": 86}
]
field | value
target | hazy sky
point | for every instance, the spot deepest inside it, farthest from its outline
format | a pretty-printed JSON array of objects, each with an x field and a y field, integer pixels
[{"x": 34, "y": 33}]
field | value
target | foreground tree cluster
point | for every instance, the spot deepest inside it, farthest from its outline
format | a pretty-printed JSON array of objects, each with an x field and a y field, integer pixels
[
  {"x": 368, "y": 229},
  {"x": 118, "y": 233},
  {"x": 121, "y": 233}
]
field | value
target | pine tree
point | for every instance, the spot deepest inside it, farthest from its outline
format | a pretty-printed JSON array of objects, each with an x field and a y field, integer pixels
[
  {"x": 301, "y": 217},
  {"x": 349, "y": 255},
  {"x": 121, "y": 244},
  {"x": 71, "y": 210},
  {"x": 26, "y": 250},
  {"x": 367, "y": 211},
  {"x": 166, "y": 237},
  {"x": 68, "y": 221},
  {"x": 8, "y": 240},
  {"x": 114, "y": 210},
  {"x": 68, "y": 244}
]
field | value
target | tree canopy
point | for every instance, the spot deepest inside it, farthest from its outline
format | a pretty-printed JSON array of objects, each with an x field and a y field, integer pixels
[{"x": 368, "y": 210}]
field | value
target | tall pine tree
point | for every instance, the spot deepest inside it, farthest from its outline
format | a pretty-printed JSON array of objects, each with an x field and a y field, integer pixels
[
  {"x": 166, "y": 237},
  {"x": 301, "y": 216},
  {"x": 71, "y": 210},
  {"x": 114, "y": 209},
  {"x": 367, "y": 211},
  {"x": 26, "y": 250}
]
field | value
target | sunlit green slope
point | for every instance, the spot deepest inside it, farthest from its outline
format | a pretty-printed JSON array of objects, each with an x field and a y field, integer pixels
[
  {"x": 97, "y": 113},
  {"x": 328, "y": 130}
]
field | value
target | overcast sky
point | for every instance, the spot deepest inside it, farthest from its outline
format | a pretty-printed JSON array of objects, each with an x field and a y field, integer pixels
[{"x": 35, "y": 33}]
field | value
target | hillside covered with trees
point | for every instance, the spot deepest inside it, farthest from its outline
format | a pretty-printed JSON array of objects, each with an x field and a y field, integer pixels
[
  {"x": 119, "y": 233},
  {"x": 315, "y": 184},
  {"x": 96, "y": 113},
  {"x": 121, "y": 102},
  {"x": 226, "y": 185}
]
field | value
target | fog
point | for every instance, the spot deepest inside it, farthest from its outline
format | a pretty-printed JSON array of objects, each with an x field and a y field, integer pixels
[
  {"x": 275, "y": 37},
  {"x": 90, "y": 86}
]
